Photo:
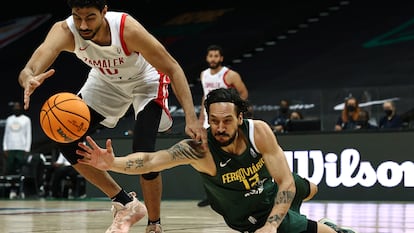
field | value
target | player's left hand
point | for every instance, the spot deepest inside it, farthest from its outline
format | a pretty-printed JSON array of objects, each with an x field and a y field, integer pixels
[{"x": 96, "y": 156}]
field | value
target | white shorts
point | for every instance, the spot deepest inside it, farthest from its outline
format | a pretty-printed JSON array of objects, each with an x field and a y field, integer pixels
[{"x": 112, "y": 98}]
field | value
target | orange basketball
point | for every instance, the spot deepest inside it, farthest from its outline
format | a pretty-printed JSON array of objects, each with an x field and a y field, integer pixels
[{"x": 64, "y": 117}]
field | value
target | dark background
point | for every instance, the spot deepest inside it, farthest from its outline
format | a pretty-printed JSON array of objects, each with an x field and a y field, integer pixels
[{"x": 315, "y": 53}]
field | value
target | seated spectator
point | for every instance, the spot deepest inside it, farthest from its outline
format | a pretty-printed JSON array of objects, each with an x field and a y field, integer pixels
[
  {"x": 278, "y": 123},
  {"x": 298, "y": 123},
  {"x": 364, "y": 121},
  {"x": 295, "y": 115},
  {"x": 348, "y": 120},
  {"x": 62, "y": 169},
  {"x": 391, "y": 120}
]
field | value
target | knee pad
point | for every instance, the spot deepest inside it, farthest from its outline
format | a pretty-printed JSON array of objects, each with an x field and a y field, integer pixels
[{"x": 150, "y": 176}]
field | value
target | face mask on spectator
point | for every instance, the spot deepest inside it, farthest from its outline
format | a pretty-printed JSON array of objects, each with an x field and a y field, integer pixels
[
  {"x": 350, "y": 108},
  {"x": 17, "y": 112},
  {"x": 284, "y": 109},
  {"x": 388, "y": 112}
]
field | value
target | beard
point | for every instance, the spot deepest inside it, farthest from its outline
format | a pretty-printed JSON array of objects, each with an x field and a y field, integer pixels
[
  {"x": 228, "y": 142},
  {"x": 89, "y": 37},
  {"x": 214, "y": 65},
  {"x": 90, "y": 34}
]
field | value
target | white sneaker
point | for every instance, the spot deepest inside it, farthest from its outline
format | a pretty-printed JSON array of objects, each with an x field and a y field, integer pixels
[
  {"x": 154, "y": 228},
  {"x": 126, "y": 216},
  {"x": 330, "y": 223}
]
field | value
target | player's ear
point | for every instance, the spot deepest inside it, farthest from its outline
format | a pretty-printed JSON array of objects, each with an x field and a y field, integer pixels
[
  {"x": 240, "y": 119},
  {"x": 104, "y": 10}
]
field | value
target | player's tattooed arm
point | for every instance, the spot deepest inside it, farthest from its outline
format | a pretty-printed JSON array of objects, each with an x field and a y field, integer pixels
[
  {"x": 276, "y": 218},
  {"x": 184, "y": 152},
  {"x": 282, "y": 198},
  {"x": 186, "y": 149},
  {"x": 181, "y": 153}
]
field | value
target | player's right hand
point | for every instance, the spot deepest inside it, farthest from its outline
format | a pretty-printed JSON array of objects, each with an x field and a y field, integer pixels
[
  {"x": 32, "y": 83},
  {"x": 194, "y": 129}
]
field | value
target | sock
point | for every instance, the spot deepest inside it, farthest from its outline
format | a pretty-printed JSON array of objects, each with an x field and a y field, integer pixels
[
  {"x": 158, "y": 221},
  {"x": 122, "y": 197}
]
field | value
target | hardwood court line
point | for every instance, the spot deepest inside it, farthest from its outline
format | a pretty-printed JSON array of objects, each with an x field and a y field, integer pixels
[{"x": 18, "y": 216}]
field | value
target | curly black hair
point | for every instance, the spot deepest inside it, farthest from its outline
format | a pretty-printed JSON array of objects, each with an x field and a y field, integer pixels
[{"x": 229, "y": 95}]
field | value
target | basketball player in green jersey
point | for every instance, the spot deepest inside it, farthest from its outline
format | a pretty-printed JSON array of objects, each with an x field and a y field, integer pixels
[{"x": 244, "y": 170}]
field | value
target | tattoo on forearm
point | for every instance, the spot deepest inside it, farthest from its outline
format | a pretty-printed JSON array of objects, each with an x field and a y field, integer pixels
[
  {"x": 275, "y": 218},
  {"x": 131, "y": 164},
  {"x": 187, "y": 149},
  {"x": 284, "y": 197}
]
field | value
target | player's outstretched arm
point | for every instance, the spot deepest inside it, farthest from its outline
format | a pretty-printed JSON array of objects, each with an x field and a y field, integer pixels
[
  {"x": 35, "y": 72},
  {"x": 184, "y": 152}
]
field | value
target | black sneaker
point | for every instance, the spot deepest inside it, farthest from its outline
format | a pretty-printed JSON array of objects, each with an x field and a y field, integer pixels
[{"x": 203, "y": 203}]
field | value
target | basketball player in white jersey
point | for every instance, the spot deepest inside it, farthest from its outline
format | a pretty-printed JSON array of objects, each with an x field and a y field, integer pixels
[
  {"x": 214, "y": 77},
  {"x": 128, "y": 67},
  {"x": 218, "y": 76}
]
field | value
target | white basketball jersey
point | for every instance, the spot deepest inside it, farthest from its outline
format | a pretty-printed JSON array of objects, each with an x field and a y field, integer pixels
[
  {"x": 211, "y": 82},
  {"x": 118, "y": 77}
]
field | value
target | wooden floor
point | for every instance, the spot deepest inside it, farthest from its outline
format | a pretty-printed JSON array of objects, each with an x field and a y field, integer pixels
[{"x": 93, "y": 216}]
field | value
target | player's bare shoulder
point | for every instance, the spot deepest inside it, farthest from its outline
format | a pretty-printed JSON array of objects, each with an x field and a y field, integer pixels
[
  {"x": 59, "y": 27},
  {"x": 262, "y": 129},
  {"x": 133, "y": 28},
  {"x": 234, "y": 74},
  {"x": 138, "y": 39},
  {"x": 233, "y": 77},
  {"x": 192, "y": 151},
  {"x": 60, "y": 37}
]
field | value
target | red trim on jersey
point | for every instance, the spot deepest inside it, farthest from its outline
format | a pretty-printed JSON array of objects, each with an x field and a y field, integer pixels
[
  {"x": 162, "y": 96},
  {"x": 121, "y": 34},
  {"x": 224, "y": 79}
]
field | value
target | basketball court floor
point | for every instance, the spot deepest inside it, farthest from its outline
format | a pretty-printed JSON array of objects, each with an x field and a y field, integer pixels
[{"x": 94, "y": 216}]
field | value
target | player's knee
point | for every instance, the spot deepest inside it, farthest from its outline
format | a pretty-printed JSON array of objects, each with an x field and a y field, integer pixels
[{"x": 150, "y": 176}]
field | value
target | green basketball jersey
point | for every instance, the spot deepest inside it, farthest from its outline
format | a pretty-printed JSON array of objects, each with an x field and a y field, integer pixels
[{"x": 242, "y": 191}]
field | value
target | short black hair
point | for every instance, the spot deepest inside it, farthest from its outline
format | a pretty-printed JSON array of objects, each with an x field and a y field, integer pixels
[
  {"x": 98, "y": 4},
  {"x": 215, "y": 47},
  {"x": 226, "y": 95}
]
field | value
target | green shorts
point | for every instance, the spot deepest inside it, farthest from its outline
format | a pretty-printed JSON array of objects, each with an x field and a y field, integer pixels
[
  {"x": 302, "y": 191},
  {"x": 294, "y": 221}
]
